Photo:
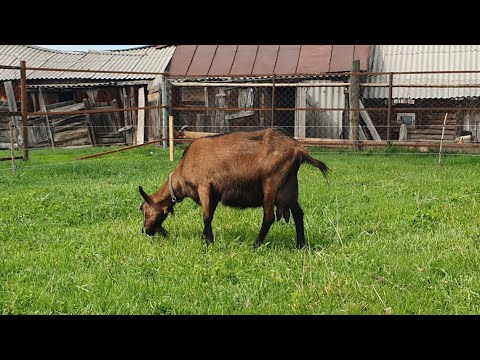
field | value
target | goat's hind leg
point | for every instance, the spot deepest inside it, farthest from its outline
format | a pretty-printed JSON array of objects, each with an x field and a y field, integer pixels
[
  {"x": 209, "y": 204},
  {"x": 297, "y": 213}
]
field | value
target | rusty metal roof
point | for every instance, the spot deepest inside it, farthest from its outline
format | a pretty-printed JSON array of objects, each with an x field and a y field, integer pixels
[
  {"x": 225, "y": 60},
  {"x": 141, "y": 59}
]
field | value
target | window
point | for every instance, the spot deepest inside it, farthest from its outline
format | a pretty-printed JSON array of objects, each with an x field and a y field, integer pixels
[{"x": 406, "y": 118}]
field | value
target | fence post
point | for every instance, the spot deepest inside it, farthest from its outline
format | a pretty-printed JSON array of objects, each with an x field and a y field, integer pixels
[
  {"x": 23, "y": 88},
  {"x": 164, "y": 111},
  {"x": 390, "y": 95},
  {"x": 354, "y": 100},
  {"x": 170, "y": 136}
]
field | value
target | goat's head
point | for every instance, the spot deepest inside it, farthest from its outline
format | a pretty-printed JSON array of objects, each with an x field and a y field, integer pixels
[{"x": 154, "y": 214}]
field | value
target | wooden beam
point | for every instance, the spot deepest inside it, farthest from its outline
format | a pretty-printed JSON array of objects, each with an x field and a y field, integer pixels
[
  {"x": 369, "y": 123},
  {"x": 92, "y": 95},
  {"x": 220, "y": 99},
  {"x": 126, "y": 117},
  {"x": 23, "y": 89},
  {"x": 90, "y": 128},
  {"x": 354, "y": 99},
  {"x": 182, "y": 134},
  {"x": 141, "y": 117},
  {"x": 34, "y": 101},
  {"x": 43, "y": 107},
  {"x": 133, "y": 114}
]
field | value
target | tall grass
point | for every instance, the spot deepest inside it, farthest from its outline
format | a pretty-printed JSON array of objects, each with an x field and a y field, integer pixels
[{"x": 392, "y": 234}]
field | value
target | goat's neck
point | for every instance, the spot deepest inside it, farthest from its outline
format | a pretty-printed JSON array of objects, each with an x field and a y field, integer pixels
[
  {"x": 177, "y": 184},
  {"x": 163, "y": 194}
]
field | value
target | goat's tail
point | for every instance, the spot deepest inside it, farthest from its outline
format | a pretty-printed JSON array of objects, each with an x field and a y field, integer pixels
[{"x": 317, "y": 163}]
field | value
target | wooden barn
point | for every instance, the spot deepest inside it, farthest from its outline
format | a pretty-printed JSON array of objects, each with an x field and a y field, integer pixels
[
  {"x": 55, "y": 91},
  {"x": 235, "y": 73}
]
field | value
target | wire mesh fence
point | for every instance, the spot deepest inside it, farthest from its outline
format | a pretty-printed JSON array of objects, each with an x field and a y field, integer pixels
[
  {"x": 390, "y": 106},
  {"x": 303, "y": 108},
  {"x": 424, "y": 107}
]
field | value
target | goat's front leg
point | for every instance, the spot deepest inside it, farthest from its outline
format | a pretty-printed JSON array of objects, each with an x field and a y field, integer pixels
[
  {"x": 268, "y": 214},
  {"x": 209, "y": 205}
]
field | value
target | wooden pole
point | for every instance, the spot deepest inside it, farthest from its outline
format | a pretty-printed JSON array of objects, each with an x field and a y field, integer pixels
[
  {"x": 13, "y": 149},
  {"x": 390, "y": 100},
  {"x": 354, "y": 100},
  {"x": 23, "y": 88},
  {"x": 126, "y": 117},
  {"x": 170, "y": 136},
  {"x": 133, "y": 115},
  {"x": 164, "y": 111},
  {"x": 141, "y": 117},
  {"x": 441, "y": 140}
]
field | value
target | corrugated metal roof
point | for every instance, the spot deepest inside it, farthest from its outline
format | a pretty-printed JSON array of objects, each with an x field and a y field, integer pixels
[
  {"x": 393, "y": 58},
  {"x": 224, "y": 60},
  {"x": 143, "y": 59}
]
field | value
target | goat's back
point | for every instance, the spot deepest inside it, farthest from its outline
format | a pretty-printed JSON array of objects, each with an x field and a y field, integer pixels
[{"x": 240, "y": 155}]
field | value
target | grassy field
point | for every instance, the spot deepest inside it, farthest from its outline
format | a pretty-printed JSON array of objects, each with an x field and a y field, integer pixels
[{"x": 392, "y": 234}]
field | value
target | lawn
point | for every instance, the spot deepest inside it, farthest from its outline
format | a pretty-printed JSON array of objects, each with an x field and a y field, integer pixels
[{"x": 393, "y": 233}]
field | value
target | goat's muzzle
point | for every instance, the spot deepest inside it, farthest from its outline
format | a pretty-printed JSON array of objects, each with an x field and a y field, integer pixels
[{"x": 152, "y": 232}]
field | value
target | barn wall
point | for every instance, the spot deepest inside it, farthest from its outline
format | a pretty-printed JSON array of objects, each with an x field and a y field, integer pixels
[
  {"x": 218, "y": 97},
  {"x": 321, "y": 123}
]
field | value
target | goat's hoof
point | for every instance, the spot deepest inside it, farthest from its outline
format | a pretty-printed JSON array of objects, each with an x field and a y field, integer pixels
[{"x": 300, "y": 246}]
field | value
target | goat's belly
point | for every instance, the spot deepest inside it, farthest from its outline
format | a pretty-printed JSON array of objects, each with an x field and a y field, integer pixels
[{"x": 242, "y": 198}]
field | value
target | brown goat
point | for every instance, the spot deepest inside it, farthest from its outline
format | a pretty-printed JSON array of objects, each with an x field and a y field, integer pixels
[{"x": 240, "y": 169}]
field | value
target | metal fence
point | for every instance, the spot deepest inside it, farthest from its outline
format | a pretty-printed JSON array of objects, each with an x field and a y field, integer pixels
[
  {"x": 350, "y": 106},
  {"x": 414, "y": 108}
]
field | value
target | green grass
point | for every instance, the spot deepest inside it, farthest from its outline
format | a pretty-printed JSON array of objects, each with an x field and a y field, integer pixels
[{"x": 392, "y": 234}]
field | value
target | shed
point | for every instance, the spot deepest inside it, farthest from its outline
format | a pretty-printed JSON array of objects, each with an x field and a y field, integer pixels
[
  {"x": 76, "y": 90},
  {"x": 247, "y": 64}
]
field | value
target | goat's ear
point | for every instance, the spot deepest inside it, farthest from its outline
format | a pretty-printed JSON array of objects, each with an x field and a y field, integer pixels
[{"x": 145, "y": 195}]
